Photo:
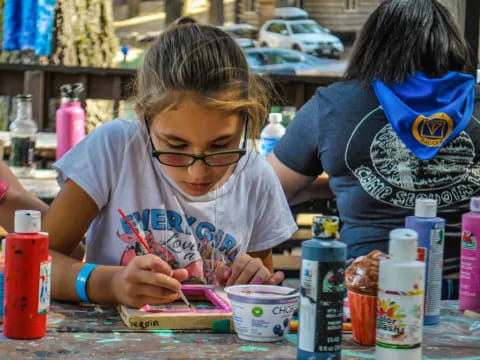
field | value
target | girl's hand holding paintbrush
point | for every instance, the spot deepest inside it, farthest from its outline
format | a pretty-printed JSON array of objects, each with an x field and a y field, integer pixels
[
  {"x": 247, "y": 269},
  {"x": 147, "y": 280}
]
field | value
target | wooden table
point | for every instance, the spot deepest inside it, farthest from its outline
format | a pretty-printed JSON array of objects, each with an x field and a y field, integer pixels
[{"x": 97, "y": 332}]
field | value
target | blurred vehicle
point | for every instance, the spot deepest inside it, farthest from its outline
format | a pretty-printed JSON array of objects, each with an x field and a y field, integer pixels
[
  {"x": 241, "y": 30},
  {"x": 292, "y": 29},
  {"x": 286, "y": 61},
  {"x": 246, "y": 43}
]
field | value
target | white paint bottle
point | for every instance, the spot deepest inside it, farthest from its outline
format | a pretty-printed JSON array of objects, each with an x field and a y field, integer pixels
[{"x": 401, "y": 287}]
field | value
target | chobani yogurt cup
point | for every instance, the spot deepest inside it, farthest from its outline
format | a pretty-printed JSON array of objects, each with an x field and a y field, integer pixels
[{"x": 261, "y": 312}]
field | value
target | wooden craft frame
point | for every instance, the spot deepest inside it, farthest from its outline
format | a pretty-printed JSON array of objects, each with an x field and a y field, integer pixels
[{"x": 180, "y": 319}]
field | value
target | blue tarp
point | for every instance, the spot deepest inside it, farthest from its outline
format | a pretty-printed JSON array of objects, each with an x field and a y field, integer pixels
[{"x": 28, "y": 24}]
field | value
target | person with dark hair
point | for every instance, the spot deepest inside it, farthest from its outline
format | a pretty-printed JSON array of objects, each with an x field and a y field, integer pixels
[{"x": 403, "y": 124}]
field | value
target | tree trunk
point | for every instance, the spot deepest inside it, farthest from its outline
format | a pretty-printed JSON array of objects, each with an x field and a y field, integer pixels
[
  {"x": 173, "y": 10},
  {"x": 216, "y": 14},
  {"x": 133, "y": 8}
]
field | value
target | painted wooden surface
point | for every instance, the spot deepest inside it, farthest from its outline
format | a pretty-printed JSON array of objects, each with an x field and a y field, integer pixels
[{"x": 97, "y": 332}]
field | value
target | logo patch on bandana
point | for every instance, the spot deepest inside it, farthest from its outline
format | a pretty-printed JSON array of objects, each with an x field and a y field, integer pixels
[{"x": 431, "y": 131}]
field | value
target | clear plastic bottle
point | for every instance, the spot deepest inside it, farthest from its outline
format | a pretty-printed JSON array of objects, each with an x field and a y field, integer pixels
[
  {"x": 23, "y": 131},
  {"x": 271, "y": 134}
]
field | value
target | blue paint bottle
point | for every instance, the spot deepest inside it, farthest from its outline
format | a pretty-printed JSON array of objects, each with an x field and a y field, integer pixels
[
  {"x": 431, "y": 236},
  {"x": 321, "y": 292}
]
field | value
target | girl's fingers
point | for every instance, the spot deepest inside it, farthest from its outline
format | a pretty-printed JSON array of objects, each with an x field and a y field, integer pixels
[
  {"x": 160, "y": 294},
  {"x": 222, "y": 273},
  {"x": 276, "y": 278},
  {"x": 237, "y": 267},
  {"x": 152, "y": 262},
  {"x": 260, "y": 277},
  {"x": 155, "y": 279},
  {"x": 180, "y": 274}
]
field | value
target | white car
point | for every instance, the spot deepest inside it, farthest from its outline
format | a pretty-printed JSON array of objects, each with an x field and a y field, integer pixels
[{"x": 305, "y": 35}]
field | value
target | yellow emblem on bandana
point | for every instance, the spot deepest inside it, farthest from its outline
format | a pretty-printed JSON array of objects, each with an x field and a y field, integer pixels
[{"x": 432, "y": 130}]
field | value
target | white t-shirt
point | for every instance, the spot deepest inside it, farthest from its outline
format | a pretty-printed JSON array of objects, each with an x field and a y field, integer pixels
[{"x": 114, "y": 167}]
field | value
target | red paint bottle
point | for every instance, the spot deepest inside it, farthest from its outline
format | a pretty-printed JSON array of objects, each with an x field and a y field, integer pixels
[{"x": 27, "y": 278}]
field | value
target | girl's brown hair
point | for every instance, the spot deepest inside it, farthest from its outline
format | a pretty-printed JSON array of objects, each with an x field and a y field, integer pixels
[{"x": 206, "y": 63}]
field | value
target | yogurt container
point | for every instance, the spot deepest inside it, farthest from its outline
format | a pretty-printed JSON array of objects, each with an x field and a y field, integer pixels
[{"x": 262, "y": 312}]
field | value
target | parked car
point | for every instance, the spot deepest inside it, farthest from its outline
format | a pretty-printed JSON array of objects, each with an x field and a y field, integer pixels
[
  {"x": 286, "y": 61},
  {"x": 300, "y": 34},
  {"x": 246, "y": 43}
]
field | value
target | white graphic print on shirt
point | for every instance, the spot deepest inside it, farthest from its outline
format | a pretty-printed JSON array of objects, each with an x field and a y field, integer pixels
[
  {"x": 183, "y": 243},
  {"x": 395, "y": 176}
]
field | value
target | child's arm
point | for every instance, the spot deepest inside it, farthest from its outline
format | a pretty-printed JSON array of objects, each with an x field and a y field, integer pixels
[{"x": 146, "y": 279}]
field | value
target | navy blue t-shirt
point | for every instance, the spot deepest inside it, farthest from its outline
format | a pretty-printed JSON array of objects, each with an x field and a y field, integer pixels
[{"x": 343, "y": 131}]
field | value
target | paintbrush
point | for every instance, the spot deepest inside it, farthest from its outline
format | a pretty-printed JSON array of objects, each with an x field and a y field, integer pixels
[{"x": 142, "y": 241}]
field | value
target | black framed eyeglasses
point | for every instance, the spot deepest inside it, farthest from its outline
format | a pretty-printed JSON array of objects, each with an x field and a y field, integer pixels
[{"x": 181, "y": 159}]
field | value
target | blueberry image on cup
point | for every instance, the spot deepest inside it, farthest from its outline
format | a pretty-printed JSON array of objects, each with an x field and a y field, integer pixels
[
  {"x": 277, "y": 329},
  {"x": 285, "y": 322}
]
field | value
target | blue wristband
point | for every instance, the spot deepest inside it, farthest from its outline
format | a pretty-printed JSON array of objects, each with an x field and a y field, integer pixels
[{"x": 82, "y": 278}]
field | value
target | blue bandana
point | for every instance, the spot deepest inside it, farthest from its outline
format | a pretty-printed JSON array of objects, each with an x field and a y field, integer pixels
[{"x": 427, "y": 113}]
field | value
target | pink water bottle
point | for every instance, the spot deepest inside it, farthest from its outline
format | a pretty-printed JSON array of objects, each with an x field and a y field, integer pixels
[
  {"x": 70, "y": 119},
  {"x": 470, "y": 258}
]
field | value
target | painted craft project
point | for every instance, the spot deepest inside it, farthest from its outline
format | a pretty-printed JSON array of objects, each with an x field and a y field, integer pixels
[{"x": 208, "y": 305}]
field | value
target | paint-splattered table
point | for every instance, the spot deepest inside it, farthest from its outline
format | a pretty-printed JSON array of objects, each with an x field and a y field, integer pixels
[{"x": 97, "y": 332}]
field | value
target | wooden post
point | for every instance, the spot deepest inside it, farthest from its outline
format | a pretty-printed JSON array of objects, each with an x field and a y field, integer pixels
[
  {"x": 216, "y": 12},
  {"x": 133, "y": 8},
  {"x": 265, "y": 9},
  {"x": 173, "y": 10}
]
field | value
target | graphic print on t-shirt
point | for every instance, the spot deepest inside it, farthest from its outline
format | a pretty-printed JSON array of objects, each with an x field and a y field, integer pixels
[
  {"x": 390, "y": 172},
  {"x": 183, "y": 242}
]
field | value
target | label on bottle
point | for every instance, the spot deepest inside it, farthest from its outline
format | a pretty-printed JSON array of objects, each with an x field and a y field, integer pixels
[
  {"x": 23, "y": 152},
  {"x": 434, "y": 271},
  {"x": 44, "y": 287},
  {"x": 267, "y": 145},
  {"x": 469, "y": 271},
  {"x": 399, "y": 319},
  {"x": 321, "y": 306}
]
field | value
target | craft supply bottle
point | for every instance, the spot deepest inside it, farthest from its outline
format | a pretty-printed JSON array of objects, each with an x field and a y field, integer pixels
[
  {"x": 22, "y": 136},
  {"x": 70, "y": 119},
  {"x": 400, "y": 303},
  {"x": 431, "y": 235},
  {"x": 470, "y": 258},
  {"x": 321, "y": 292},
  {"x": 2, "y": 282},
  {"x": 271, "y": 134},
  {"x": 27, "y": 278}
]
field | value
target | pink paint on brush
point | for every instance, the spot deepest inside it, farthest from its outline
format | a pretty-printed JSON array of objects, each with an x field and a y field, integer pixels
[{"x": 222, "y": 306}]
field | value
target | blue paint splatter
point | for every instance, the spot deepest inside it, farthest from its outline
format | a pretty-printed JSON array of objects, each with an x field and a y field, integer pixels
[
  {"x": 163, "y": 333},
  {"x": 358, "y": 354},
  {"x": 251, "y": 348}
]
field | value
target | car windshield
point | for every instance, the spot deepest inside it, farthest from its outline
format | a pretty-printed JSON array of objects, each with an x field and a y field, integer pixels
[{"x": 306, "y": 28}]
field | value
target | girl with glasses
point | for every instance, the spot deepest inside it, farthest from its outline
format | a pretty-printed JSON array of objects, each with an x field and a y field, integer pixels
[{"x": 209, "y": 209}]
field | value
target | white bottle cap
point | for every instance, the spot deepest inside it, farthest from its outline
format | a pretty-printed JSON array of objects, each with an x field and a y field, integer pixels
[
  {"x": 475, "y": 204},
  {"x": 275, "y": 118},
  {"x": 28, "y": 221},
  {"x": 426, "y": 208},
  {"x": 403, "y": 245}
]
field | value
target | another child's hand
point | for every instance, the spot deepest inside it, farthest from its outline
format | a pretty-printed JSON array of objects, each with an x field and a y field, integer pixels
[
  {"x": 247, "y": 270},
  {"x": 147, "y": 280}
]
